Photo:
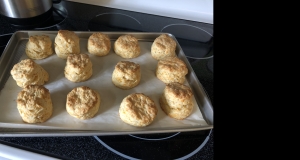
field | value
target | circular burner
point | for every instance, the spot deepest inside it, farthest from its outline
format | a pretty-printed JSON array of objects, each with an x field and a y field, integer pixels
[
  {"x": 196, "y": 43},
  {"x": 159, "y": 136},
  {"x": 180, "y": 145},
  {"x": 114, "y": 22}
]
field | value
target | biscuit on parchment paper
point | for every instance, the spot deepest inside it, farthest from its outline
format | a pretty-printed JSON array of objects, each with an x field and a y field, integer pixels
[
  {"x": 126, "y": 75},
  {"x": 137, "y": 110},
  {"x": 39, "y": 47},
  {"x": 78, "y": 67},
  {"x": 83, "y": 102},
  {"x": 34, "y": 104},
  {"x": 163, "y": 46},
  {"x": 171, "y": 69},
  {"x": 127, "y": 46},
  {"x": 176, "y": 100},
  {"x": 99, "y": 44},
  {"x": 27, "y": 72},
  {"x": 65, "y": 43}
]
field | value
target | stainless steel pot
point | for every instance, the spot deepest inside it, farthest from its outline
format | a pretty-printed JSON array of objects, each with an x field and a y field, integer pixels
[
  {"x": 27, "y": 14},
  {"x": 24, "y": 8}
]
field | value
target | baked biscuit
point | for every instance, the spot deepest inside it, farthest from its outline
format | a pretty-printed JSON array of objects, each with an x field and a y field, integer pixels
[
  {"x": 137, "y": 110},
  {"x": 27, "y": 72},
  {"x": 127, "y": 46},
  {"x": 83, "y": 102},
  {"x": 65, "y": 43},
  {"x": 176, "y": 100},
  {"x": 126, "y": 75},
  {"x": 171, "y": 69},
  {"x": 98, "y": 44},
  {"x": 78, "y": 67},
  {"x": 163, "y": 46},
  {"x": 34, "y": 104},
  {"x": 39, "y": 47}
]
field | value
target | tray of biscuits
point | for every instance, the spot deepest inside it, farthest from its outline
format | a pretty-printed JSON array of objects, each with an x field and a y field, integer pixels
[{"x": 73, "y": 83}]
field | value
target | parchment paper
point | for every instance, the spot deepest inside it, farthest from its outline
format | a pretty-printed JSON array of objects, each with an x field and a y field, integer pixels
[{"x": 107, "y": 118}]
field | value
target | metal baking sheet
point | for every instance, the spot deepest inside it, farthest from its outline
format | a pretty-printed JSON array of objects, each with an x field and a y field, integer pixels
[{"x": 15, "y": 51}]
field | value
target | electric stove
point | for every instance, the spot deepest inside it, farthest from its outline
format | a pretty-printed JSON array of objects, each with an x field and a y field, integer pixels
[{"x": 196, "y": 40}]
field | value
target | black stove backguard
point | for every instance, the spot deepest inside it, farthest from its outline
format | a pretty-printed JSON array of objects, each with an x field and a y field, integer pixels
[{"x": 196, "y": 40}]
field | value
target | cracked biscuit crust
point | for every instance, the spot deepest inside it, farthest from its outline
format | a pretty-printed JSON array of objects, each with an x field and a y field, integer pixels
[
  {"x": 83, "y": 102},
  {"x": 163, "y": 46},
  {"x": 126, "y": 75},
  {"x": 39, "y": 47},
  {"x": 138, "y": 110},
  {"x": 78, "y": 67},
  {"x": 99, "y": 44},
  {"x": 34, "y": 104},
  {"x": 65, "y": 43},
  {"x": 176, "y": 100},
  {"x": 127, "y": 46},
  {"x": 171, "y": 69},
  {"x": 27, "y": 72}
]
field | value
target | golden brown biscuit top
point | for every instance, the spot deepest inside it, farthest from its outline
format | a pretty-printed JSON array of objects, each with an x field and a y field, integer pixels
[
  {"x": 127, "y": 41},
  {"x": 32, "y": 95},
  {"x": 41, "y": 41},
  {"x": 139, "y": 106},
  {"x": 173, "y": 64},
  {"x": 68, "y": 36},
  {"x": 24, "y": 66},
  {"x": 82, "y": 99},
  {"x": 127, "y": 67},
  {"x": 99, "y": 40},
  {"x": 178, "y": 91},
  {"x": 164, "y": 41},
  {"x": 78, "y": 60},
  {"x": 36, "y": 38}
]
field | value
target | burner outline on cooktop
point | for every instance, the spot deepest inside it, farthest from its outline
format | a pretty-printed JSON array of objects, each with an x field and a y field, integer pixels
[
  {"x": 109, "y": 27},
  {"x": 154, "y": 139},
  {"x": 113, "y": 150},
  {"x": 130, "y": 157},
  {"x": 201, "y": 45},
  {"x": 119, "y": 14},
  {"x": 178, "y": 24}
]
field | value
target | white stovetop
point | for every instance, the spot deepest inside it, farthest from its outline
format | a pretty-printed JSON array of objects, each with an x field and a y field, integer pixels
[{"x": 194, "y": 10}]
